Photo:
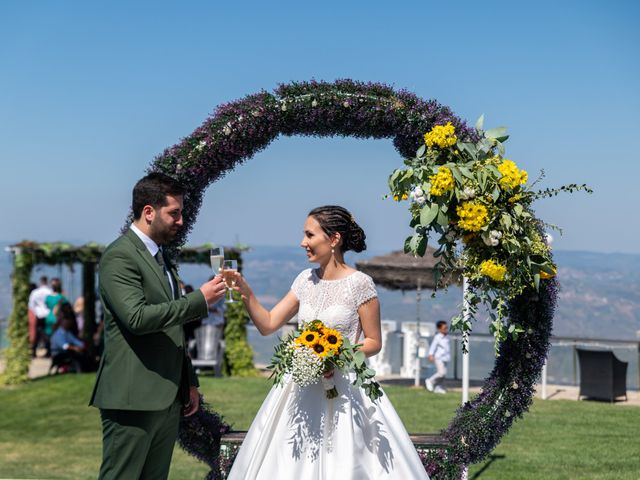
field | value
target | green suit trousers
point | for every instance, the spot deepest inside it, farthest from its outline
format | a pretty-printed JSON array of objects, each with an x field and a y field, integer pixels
[{"x": 138, "y": 444}]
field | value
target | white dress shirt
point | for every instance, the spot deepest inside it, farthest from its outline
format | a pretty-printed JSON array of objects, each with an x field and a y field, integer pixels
[
  {"x": 36, "y": 301},
  {"x": 440, "y": 347},
  {"x": 153, "y": 250}
]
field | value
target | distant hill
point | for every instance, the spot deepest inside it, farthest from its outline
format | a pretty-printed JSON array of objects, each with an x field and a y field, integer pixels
[{"x": 599, "y": 297}]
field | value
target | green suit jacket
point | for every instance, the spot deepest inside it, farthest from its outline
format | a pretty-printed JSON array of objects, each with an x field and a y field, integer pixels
[{"x": 144, "y": 361}]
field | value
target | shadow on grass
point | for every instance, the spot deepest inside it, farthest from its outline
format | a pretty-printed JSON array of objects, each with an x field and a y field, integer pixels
[{"x": 487, "y": 464}]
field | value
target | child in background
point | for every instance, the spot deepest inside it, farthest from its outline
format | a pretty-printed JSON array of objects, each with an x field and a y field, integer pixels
[{"x": 440, "y": 355}]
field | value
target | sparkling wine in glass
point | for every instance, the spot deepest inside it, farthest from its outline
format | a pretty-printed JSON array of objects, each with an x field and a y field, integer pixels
[
  {"x": 230, "y": 267},
  {"x": 217, "y": 258}
]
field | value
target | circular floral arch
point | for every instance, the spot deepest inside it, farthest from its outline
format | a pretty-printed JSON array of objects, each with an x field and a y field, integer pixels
[{"x": 238, "y": 130}]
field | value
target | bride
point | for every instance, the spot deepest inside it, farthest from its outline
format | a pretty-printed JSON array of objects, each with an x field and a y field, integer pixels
[{"x": 299, "y": 433}]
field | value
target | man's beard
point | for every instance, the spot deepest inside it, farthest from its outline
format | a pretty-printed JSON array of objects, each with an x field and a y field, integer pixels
[{"x": 164, "y": 233}]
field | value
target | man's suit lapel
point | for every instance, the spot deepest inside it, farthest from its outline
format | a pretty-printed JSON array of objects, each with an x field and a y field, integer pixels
[{"x": 151, "y": 262}]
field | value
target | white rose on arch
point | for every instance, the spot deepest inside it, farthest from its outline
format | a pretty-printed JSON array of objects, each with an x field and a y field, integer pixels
[
  {"x": 417, "y": 195},
  {"x": 492, "y": 239},
  {"x": 467, "y": 193}
]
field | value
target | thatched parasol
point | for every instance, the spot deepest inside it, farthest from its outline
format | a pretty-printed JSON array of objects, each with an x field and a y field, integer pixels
[{"x": 401, "y": 271}]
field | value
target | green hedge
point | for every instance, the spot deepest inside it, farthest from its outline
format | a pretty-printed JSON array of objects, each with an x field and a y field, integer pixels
[{"x": 18, "y": 354}]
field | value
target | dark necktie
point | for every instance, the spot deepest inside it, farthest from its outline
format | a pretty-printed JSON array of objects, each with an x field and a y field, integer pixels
[{"x": 160, "y": 259}]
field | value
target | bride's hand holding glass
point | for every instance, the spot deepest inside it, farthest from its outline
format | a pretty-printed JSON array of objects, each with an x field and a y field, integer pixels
[{"x": 242, "y": 286}]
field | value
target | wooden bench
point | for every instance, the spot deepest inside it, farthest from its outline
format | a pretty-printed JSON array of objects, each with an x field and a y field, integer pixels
[{"x": 421, "y": 440}]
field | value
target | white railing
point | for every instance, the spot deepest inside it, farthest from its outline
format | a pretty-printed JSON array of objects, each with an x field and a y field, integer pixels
[{"x": 562, "y": 362}]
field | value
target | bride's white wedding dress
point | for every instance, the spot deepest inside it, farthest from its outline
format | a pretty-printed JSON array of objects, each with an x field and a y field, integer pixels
[{"x": 299, "y": 434}]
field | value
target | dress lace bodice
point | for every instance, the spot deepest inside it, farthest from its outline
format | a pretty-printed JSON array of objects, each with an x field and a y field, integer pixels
[{"x": 335, "y": 302}]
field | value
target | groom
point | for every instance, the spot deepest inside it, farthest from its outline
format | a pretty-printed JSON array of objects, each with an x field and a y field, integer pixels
[{"x": 145, "y": 377}]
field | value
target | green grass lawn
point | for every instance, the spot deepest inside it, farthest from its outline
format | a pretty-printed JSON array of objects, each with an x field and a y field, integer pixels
[{"x": 47, "y": 431}]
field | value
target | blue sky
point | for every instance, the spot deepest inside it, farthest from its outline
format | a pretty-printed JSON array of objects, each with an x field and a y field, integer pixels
[{"x": 90, "y": 93}]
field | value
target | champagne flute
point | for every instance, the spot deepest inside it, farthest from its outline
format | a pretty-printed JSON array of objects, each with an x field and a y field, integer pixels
[
  {"x": 230, "y": 267},
  {"x": 216, "y": 256}
]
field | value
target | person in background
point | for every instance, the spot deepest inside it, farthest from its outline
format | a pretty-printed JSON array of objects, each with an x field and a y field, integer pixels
[
  {"x": 53, "y": 301},
  {"x": 439, "y": 354},
  {"x": 78, "y": 309},
  {"x": 216, "y": 314},
  {"x": 37, "y": 305},
  {"x": 66, "y": 347}
]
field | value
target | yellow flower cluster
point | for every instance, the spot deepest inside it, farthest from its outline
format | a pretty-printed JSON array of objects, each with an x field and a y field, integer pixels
[
  {"x": 322, "y": 342},
  {"x": 441, "y": 135},
  {"x": 473, "y": 216},
  {"x": 493, "y": 270},
  {"x": 441, "y": 182},
  {"x": 404, "y": 196},
  {"x": 512, "y": 176},
  {"x": 545, "y": 276}
]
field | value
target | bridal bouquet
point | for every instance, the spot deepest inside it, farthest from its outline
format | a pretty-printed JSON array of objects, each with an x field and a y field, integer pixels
[{"x": 308, "y": 353}]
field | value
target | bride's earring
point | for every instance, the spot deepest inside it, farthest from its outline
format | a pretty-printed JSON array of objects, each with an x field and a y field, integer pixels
[{"x": 333, "y": 251}]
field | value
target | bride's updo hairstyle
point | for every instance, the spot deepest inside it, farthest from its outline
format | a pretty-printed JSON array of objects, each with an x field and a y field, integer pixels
[{"x": 334, "y": 219}]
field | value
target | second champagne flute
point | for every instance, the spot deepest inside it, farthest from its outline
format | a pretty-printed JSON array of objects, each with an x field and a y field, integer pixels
[
  {"x": 230, "y": 267},
  {"x": 216, "y": 255}
]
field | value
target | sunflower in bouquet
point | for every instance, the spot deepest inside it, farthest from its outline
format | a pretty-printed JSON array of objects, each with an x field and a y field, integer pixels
[{"x": 314, "y": 350}]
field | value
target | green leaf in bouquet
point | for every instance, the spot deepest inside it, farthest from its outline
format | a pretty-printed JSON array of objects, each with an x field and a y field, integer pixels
[
  {"x": 482, "y": 180},
  {"x": 456, "y": 174},
  {"x": 413, "y": 244},
  {"x": 422, "y": 246},
  {"x": 421, "y": 151},
  {"x": 360, "y": 357},
  {"x": 485, "y": 145},
  {"x": 443, "y": 219},
  {"x": 407, "y": 244},
  {"x": 393, "y": 178},
  {"x": 428, "y": 213},
  {"x": 469, "y": 148},
  {"x": 493, "y": 169},
  {"x": 314, "y": 325},
  {"x": 408, "y": 173},
  {"x": 480, "y": 122},
  {"x": 546, "y": 268},
  {"x": 517, "y": 209},
  {"x": 466, "y": 172},
  {"x": 505, "y": 220},
  {"x": 495, "y": 194},
  {"x": 496, "y": 133}
]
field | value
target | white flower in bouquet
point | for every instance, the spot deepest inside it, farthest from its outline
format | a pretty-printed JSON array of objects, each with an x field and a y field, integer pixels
[
  {"x": 306, "y": 366},
  {"x": 467, "y": 193},
  {"x": 417, "y": 195},
  {"x": 493, "y": 239}
]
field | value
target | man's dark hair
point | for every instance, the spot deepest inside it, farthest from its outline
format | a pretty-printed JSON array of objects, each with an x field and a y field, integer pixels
[
  {"x": 56, "y": 285},
  {"x": 440, "y": 323},
  {"x": 44, "y": 280},
  {"x": 153, "y": 190}
]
